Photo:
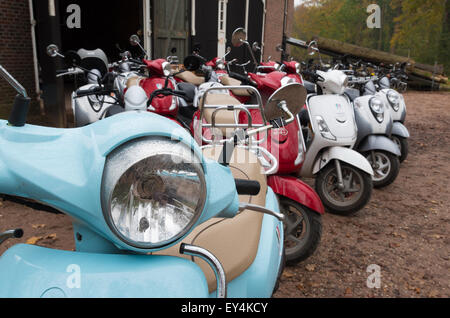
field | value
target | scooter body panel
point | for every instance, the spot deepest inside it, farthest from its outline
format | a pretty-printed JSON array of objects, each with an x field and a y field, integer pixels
[
  {"x": 343, "y": 154},
  {"x": 294, "y": 189},
  {"x": 400, "y": 114},
  {"x": 337, "y": 113},
  {"x": 259, "y": 280},
  {"x": 378, "y": 142},
  {"x": 400, "y": 130},
  {"x": 67, "y": 167},
  {"x": 89, "y": 109},
  {"x": 32, "y": 271},
  {"x": 367, "y": 123}
]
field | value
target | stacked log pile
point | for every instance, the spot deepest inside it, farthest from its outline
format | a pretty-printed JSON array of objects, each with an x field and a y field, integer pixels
[{"x": 421, "y": 76}]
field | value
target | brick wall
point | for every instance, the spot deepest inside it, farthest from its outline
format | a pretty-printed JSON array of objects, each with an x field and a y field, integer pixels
[
  {"x": 273, "y": 31},
  {"x": 16, "y": 53}
]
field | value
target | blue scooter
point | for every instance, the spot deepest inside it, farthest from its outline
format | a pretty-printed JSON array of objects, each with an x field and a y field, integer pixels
[{"x": 152, "y": 215}]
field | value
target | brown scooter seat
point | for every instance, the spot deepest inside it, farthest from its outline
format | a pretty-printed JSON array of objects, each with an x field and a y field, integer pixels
[
  {"x": 189, "y": 77},
  {"x": 229, "y": 81},
  {"x": 233, "y": 241}
]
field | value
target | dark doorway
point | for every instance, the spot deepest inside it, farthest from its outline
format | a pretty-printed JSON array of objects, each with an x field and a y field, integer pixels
[
  {"x": 104, "y": 23},
  {"x": 206, "y": 13}
]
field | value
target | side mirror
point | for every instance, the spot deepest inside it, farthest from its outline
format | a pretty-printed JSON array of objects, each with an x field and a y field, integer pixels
[
  {"x": 192, "y": 63},
  {"x": 286, "y": 102},
  {"x": 312, "y": 48},
  {"x": 134, "y": 40},
  {"x": 53, "y": 51},
  {"x": 173, "y": 50},
  {"x": 239, "y": 36},
  {"x": 256, "y": 47},
  {"x": 279, "y": 48}
]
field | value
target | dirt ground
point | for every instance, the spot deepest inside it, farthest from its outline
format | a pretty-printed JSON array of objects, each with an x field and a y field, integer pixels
[{"x": 404, "y": 229}]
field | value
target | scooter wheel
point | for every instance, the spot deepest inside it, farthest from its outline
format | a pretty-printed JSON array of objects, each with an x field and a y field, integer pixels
[
  {"x": 404, "y": 147},
  {"x": 302, "y": 231},
  {"x": 386, "y": 169},
  {"x": 350, "y": 200}
]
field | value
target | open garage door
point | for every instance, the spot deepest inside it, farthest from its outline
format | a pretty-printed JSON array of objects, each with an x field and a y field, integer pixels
[{"x": 170, "y": 27}]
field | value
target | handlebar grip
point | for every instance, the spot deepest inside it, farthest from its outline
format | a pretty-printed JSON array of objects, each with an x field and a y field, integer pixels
[
  {"x": 92, "y": 90},
  {"x": 61, "y": 71},
  {"x": 245, "y": 80},
  {"x": 247, "y": 187}
]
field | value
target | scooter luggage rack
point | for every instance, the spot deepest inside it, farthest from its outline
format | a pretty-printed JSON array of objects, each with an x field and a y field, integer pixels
[
  {"x": 234, "y": 108},
  {"x": 272, "y": 163}
]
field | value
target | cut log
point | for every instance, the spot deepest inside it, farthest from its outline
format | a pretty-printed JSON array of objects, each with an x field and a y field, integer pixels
[
  {"x": 429, "y": 76},
  {"x": 363, "y": 53},
  {"x": 430, "y": 68}
]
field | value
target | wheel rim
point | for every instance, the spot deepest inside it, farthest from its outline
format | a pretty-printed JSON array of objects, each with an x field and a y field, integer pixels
[
  {"x": 381, "y": 167},
  {"x": 353, "y": 187},
  {"x": 296, "y": 227}
]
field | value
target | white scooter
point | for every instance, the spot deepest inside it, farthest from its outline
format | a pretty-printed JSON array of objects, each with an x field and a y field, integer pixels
[{"x": 343, "y": 176}]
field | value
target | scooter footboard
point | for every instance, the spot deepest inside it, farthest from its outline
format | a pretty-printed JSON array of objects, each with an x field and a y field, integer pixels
[
  {"x": 31, "y": 271},
  {"x": 259, "y": 280}
]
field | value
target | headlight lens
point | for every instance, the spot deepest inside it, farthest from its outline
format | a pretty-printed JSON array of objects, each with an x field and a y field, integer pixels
[
  {"x": 394, "y": 99},
  {"x": 376, "y": 105},
  {"x": 323, "y": 128},
  {"x": 153, "y": 192},
  {"x": 220, "y": 64},
  {"x": 167, "y": 70},
  {"x": 297, "y": 68}
]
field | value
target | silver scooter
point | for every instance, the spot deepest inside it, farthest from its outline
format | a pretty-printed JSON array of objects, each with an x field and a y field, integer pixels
[
  {"x": 396, "y": 101},
  {"x": 374, "y": 122}
]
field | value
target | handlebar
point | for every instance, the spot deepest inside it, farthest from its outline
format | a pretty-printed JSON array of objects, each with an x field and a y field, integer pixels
[{"x": 247, "y": 187}]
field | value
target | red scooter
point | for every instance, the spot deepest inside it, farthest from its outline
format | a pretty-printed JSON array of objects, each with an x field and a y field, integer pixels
[{"x": 301, "y": 204}]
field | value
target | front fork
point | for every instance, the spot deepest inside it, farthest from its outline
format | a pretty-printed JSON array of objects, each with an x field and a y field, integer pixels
[{"x": 341, "y": 185}]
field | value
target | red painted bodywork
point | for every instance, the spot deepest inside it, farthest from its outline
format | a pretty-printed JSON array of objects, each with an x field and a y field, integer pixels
[
  {"x": 155, "y": 81},
  {"x": 296, "y": 190}
]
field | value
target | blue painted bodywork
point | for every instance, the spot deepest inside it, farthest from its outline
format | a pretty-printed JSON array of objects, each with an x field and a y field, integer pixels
[{"x": 63, "y": 168}]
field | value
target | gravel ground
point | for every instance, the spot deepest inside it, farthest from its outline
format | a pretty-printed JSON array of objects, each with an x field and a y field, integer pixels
[{"x": 404, "y": 229}]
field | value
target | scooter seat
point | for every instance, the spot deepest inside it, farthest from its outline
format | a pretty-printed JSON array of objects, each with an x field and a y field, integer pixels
[
  {"x": 222, "y": 116},
  {"x": 233, "y": 241},
  {"x": 229, "y": 81},
  {"x": 189, "y": 77}
]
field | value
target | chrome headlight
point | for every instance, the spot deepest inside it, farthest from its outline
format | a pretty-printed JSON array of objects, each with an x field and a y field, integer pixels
[
  {"x": 394, "y": 99},
  {"x": 220, "y": 64},
  {"x": 298, "y": 68},
  {"x": 376, "y": 106},
  {"x": 153, "y": 192},
  {"x": 167, "y": 70},
  {"x": 323, "y": 128}
]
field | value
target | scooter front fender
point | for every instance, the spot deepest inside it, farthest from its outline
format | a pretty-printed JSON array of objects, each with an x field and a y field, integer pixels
[
  {"x": 375, "y": 142},
  {"x": 400, "y": 130},
  {"x": 346, "y": 155},
  {"x": 296, "y": 190},
  {"x": 31, "y": 271}
]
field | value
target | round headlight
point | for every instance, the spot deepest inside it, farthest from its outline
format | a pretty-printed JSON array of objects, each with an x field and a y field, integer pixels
[
  {"x": 167, "y": 70},
  {"x": 376, "y": 105},
  {"x": 394, "y": 99},
  {"x": 297, "y": 68},
  {"x": 153, "y": 192},
  {"x": 220, "y": 64}
]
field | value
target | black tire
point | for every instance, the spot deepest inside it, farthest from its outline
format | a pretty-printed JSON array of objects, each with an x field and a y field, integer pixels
[
  {"x": 392, "y": 173},
  {"x": 344, "y": 209},
  {"x": 302, "y": 231},
  {"x": 404, "y": 147}
]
